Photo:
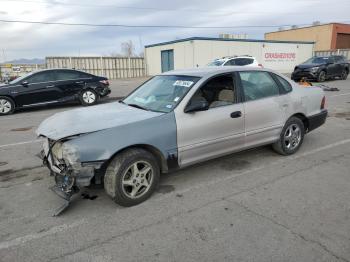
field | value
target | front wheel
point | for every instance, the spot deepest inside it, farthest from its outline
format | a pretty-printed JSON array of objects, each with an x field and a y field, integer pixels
[
  {"x": 321, "y": 76},
  {"x": 7, "y": 106},
  {"x": 344, "y": 75},
  {"x": 291, "y": 137},
  {"x": 88, "y": 97},
  {"x": 131, "y": 177}
]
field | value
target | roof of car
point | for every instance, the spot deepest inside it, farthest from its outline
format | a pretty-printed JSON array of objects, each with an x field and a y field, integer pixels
[{"x": 211, "y": 70}]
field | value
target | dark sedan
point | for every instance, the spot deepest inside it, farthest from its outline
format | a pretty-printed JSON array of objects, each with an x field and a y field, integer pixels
[
  {"x": 322, "y": 68},
  {"x": 52, "y": 86}
]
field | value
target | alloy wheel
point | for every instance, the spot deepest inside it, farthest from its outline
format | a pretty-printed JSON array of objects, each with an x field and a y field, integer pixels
[
  {"x": 89, "y": 97},
  {"x": 137, "y": 179},
  {"x": 292, "y": 137},
  {"x": 322, "y": 76},
  {"x": 5, "y": 106}
]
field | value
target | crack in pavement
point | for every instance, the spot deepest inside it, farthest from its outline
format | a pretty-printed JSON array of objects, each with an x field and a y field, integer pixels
[{"x": 309, "y": 240}]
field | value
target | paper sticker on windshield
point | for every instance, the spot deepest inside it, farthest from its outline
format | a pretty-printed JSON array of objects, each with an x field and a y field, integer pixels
[
  {"x": 183, "y": 83},
  {"x": 176, "y": 99},
  {"x": 169, "y": 106}
]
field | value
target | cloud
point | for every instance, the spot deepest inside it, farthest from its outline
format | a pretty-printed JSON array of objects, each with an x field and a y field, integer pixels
[{"x": 27, "y": 40}]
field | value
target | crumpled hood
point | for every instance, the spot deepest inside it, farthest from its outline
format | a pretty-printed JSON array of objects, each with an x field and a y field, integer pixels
[{"x": 91, "y": 119}]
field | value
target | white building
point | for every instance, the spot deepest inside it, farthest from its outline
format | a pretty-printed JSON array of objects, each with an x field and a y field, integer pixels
[{"x": 281, "y": 56}]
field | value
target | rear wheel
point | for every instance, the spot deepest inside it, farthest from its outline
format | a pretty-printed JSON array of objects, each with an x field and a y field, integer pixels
[
  {"x": 131, "y": 177},
  {"x": 321, "y": 76},
  {"x": 291, "y": 137},
  {"x": 88, "y": 97},
  {"x": 7, "y": 106}
]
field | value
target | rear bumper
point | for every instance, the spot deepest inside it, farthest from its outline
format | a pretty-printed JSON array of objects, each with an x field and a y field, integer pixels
[
  {"x": 105, "y": 91},
  {"x": 317, "y": 120}
]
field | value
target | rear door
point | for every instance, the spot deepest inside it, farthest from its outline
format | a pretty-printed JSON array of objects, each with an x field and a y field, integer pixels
[
  {"x": 71, "y": 82},
  {"x": 265, "y": 108},
  {"x": 41, "y": 89}
]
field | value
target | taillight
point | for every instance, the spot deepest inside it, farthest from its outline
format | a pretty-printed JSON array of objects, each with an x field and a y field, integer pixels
[
  {"x": 105, "y": 82},
  {"x": 260, "y": 65},
  {"x": 323, "y": 102}
]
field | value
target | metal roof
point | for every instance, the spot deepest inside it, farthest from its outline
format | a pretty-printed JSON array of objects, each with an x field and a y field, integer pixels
[{"x": 227, "y": 39}]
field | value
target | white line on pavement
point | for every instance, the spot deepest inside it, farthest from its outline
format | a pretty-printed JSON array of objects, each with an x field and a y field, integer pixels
[
  {"x": 21, "y": 240},
  {"x": 22, "y": 143}
]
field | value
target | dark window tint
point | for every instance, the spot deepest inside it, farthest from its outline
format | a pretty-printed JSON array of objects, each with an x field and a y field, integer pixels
[
  {"x": 339, "y": 59},
  {"x": 67, "y": 75},
  {"x": 284, "y": 83},
  {"x": 218, "y": 91},
  {"x": 230, "y": 62},
  {"x": 84, "y": 75},
  {"x": 41, "y": 77},
  {"x": 257, "y": 85},
  {"x": 243, "y": 61}
]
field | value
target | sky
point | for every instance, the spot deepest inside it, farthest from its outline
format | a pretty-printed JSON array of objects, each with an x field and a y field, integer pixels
[{"x": 19, "y": 40}]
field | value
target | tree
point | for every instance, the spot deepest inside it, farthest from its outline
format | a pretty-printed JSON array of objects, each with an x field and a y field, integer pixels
[{"x": 128, "y": 48}]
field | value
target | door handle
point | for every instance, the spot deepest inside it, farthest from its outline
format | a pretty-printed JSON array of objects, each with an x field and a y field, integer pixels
[
  {"x": 285, "y": 105},
  {"x": 79, "y": 82},
  {"x": 50, "y": 86},
  {"x": 236, "y": 114}
]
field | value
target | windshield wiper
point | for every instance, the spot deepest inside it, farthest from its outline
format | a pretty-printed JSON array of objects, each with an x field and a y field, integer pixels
[{"x": 138, "y": 106}]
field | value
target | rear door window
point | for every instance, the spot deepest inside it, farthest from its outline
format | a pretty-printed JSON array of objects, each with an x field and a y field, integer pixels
[
  {"x": 287, "y": 87},
  {"x": 258, "y": 85},
  {"x": 243, "y": 61},
  {"x": 67, "y": 75}
]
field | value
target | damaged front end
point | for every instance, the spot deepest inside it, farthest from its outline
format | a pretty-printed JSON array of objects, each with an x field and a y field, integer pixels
[{"x": 62, "y": 158}]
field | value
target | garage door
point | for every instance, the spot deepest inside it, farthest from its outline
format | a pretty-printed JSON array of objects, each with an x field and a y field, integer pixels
[{"x": 167, "y": 57}]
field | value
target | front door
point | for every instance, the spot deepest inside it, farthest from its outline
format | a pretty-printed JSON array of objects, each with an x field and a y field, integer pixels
[
  {"x": 264, "y": 107},
  {"x": 167, "y": 57},
  {"x": 39, "y": 89},
  {"x": 220, "y": 129}
]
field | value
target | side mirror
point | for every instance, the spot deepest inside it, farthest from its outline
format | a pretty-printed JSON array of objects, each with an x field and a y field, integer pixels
[
  {"x": 25, "y": 83},
  {"x": 197, "y": 105}
]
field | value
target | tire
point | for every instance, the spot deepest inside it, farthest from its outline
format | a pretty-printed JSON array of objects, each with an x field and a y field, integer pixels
[
  {"x": 344, "y": 75},
  {"x": 322, "y": 76},
  {"x": 127, "y": 185},
  {"x": 88, "y": 97},
  {"x": 291, "y": 138},
  {"x": 7, "y": 105}
]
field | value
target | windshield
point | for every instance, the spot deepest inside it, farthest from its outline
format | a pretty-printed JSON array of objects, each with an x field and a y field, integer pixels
[
  {"x": 161, "y": 93},
  {"x": 20, "y": 79},
  {"x": 317, "y": 60},
  {"x": 216, "y": 63}
]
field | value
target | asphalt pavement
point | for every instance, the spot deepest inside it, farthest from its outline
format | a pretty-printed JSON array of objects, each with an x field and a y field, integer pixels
[{"x": 251, "y": 206}]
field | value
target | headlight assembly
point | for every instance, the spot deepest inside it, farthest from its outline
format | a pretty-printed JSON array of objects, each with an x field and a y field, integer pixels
[
  {"x": 70, "y": 154},
  {"x": 314, "y": 69}
]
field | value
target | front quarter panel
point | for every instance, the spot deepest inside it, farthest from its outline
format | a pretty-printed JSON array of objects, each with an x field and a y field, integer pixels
[{"x": 158, "y": 132}]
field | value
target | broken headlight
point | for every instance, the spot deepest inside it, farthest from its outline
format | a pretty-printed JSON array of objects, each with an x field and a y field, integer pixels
[
  {"x": 70, "y": 155},
  {"x": 65, "y": 154}
]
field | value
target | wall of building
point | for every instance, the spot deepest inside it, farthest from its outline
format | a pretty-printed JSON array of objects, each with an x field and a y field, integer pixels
[
  {"x": 110, "y": 67},
  {"x": 321, "y": 34},
  {"x": 327, "y": 37},
  {"x": 281, "y": 57},
  {"x": 341, "y": 36}
]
